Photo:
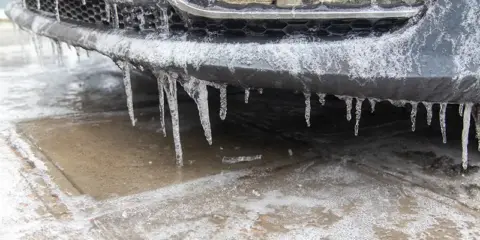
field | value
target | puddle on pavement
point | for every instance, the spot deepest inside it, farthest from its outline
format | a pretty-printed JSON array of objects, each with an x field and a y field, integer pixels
[{"x": 104, "y": 156}]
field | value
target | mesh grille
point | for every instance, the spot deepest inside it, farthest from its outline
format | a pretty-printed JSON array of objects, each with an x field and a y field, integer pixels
[
  {"x": 151, "y": 17},
  {"x": 93, "y": 12}
]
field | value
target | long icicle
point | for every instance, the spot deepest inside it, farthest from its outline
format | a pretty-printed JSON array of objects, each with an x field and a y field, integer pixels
[
  {"x": 170, "y": 88},
  {"x": 77, "y": 51},
  {"x": 373, "y": 102},
  {"x": 107, "y": 11},
  {"x": 57, "y": 12},
  {"x": 128, "y": 91},
  {"x": 348, "y": 103},
  {"x": 247, "y": 94},
  {"x": 460, "y": 109},
  {"x": 443, "y": 125},
  {"x": 197, "y": 90},
  {"x": 413, "y": 114},
  {"x": 476, "y": 118},
  {"x": 161, "y": 101},
  {"x": 59, "y": 53},
  {"x": 428, "y": 107},
  {"x": 321, "y": 98},
  {"x": 223, "y": 101},
  {"x": 116, "y": 22},
  {"x": 308, "y": 107},
  {"x": 358, "y": 114},
  {"x": 466, "y": 128},
  {"x": 38, "y": 49}
]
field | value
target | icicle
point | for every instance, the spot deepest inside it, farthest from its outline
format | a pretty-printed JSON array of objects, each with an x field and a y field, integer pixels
[
  {"x": 260, "y": 90},
  {"x": 413, "y": 115},
  {"x": 321, "y": 98},
  {"x": 197, "y": 90},
  {"x": 59, "y": 53},
  {"x": 428, "y": 107},
  {"x": 476, "y": 117},
  {"x": 170, "y": 88},
  {"x": 107, "y": 11},
  {"x": 24, "y": 3},
  {"x": 348, "y": 103},
  {"x": 307, "y": 108},
  {"x": 38, "y": 48},
  {"x": 165, "y": 25},
  {"x": 38, "y": 5},
  {"x": 53, "y": 47},
  {"x": 84, "y": 2},
  {"x": 373, "y": 102},
  {"x": 460, "y": 109},
  {"x": 443, "y": 125},
  {"x": 128, "y": 90},
  {"x": 57, "y": 13},
  {"x": 141, "y": 18},
  {"x": 466, "y": 128},
  {"x": 358, "y": 114},
  {"x": 161, "y": 101},
  {"x": 77, "y": 50},
  {"x": 223, "y": 101},
  {"x": 247, "y": 94},
  {"x": 116, "y": 22},
  {"x": 88, "y": 53}
]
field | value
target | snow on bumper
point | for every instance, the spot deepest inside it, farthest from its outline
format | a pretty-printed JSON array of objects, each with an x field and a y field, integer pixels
[{"x": 436, "y": 59}]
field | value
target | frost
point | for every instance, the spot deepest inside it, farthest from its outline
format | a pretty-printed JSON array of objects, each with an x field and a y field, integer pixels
[
  {"x": 465, "y": 130},
  {"x": 428, "y": 107},
  {"x": 358, "y": 114},
  {"x": 116, "y": 22},
  {"x": 413, "y": 114},
  {"x": 57, "y": 13},
  {"x": 247, "y": 94},
  {"x": 460, "y": 109},
  {"x": 372, "y": 104},
  {"x": 128, "y": 91},
  {"x": 443, "y": 125},
  {"x": 223, "y": 101},
  {"x": 233, "y": 160},
  {"x": 197, "y": 90},
  {"x": 348, "y": 103},
  {"x": 170, "y": 87},
  {"x": 161, "y": 101},
  {"x": 308, "y": 108},
  {"x": 321, "y": 98}
]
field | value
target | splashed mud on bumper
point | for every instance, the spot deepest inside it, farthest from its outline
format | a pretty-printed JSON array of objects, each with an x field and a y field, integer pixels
[{"x": 431, "y": 60}]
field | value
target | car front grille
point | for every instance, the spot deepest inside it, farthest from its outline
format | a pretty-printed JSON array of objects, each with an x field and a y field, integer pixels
[{"x": 152, "y": 17}]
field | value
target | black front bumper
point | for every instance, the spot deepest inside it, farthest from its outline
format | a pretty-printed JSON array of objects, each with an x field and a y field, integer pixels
[{"x": 436, "y": 59}]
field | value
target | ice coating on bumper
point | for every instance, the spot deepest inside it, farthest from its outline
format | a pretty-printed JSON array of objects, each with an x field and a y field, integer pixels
[{"x": 400, "y": 55}]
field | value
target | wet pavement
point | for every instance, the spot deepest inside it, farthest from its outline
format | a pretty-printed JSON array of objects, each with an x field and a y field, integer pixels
[{"x": 73, "y": 167}]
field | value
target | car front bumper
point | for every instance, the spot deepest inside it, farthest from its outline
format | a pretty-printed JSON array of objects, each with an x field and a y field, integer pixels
[{"x": 435, "y": 59}]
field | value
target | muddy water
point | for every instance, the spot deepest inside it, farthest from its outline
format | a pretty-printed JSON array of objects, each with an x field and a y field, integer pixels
[{"x": 94, "y": 176}]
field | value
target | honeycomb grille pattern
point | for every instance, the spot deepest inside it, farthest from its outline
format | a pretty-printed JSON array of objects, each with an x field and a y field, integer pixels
[
  {"x": 93, "y": 12},
  {"x": 280, "y": 28},
  {"x": 153, "y": 18}
]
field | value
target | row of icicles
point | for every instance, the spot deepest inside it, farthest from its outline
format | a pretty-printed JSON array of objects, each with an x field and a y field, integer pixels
[
  {"x": 197, "y": 90},
  {"x": 111, "y": 9},
  {"x": 167, "y": 84}
]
